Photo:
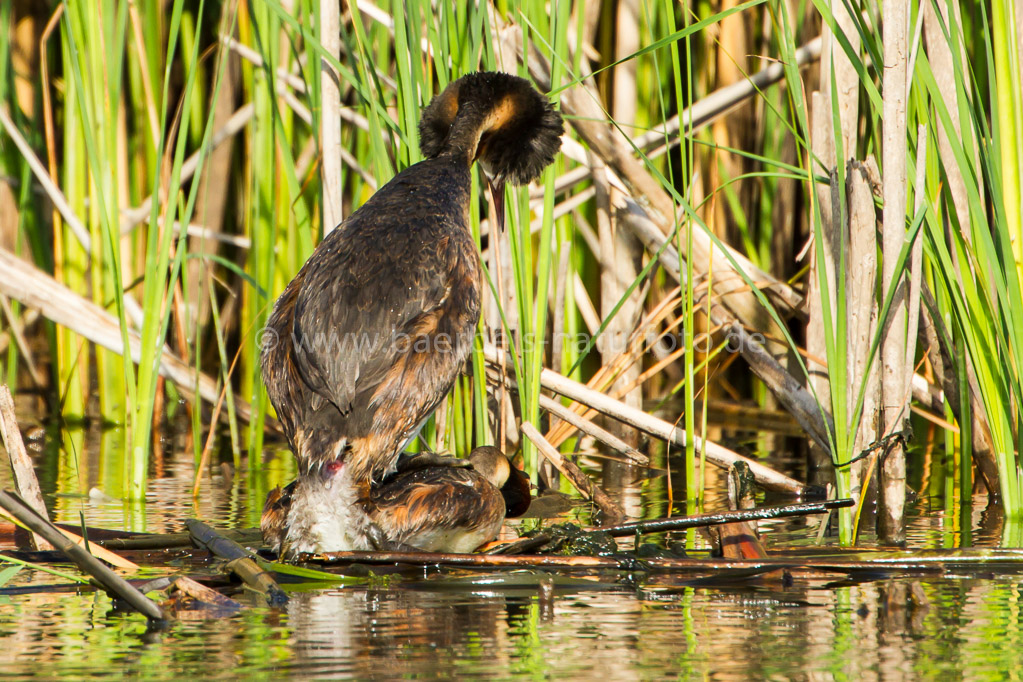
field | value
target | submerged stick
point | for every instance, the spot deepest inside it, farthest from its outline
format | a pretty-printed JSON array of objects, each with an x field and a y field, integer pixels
[
  {"x": 239, "y": 559},
  {"x": 491, "y": 560},
  {"x": 173, "y": 540},
  {"x": 24, "y": 472},
  {"x": 554, "y": 561},
  {"x": 201, "y": 593},
  {"x": 106, "y": 578},
  {"x": 718, "y": 567},
  {"x": 570, "y": 471}
]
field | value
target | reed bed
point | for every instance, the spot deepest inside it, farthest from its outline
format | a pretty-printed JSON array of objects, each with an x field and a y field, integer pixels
[{"x": 741, "y": 186}]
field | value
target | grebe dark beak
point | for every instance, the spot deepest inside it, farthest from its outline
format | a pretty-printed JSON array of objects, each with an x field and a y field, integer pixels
[{"x": 497, "y": 197}]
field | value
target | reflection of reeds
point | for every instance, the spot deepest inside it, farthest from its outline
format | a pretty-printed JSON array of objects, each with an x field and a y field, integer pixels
[{"x": 195, "y": 163}]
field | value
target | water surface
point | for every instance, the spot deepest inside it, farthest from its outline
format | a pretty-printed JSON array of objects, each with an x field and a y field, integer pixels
[{"x": 428, "y": 624}]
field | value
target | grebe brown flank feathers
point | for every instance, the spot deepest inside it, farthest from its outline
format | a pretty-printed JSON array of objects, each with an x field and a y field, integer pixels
[
  {"x": 430, "y": 503},
  {"x": 374, "y": 329},
  {"x": 444, "y": 508}
]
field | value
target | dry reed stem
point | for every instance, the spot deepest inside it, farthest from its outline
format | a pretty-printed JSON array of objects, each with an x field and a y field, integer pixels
[
  {"x": 862, "y": 313},
  {"x": 133, "y": 217},
  {"x": 27, "y": 320},
  {"x": 720, "y": 102},
  {"x": 613, "y": 514},
  {"x": 939, "y": 54},
  {"x": 560, "y": 289},
  {"x": 330, "y": 120},
  {"x": 916, "y": 258},
  {"x": 580, "y": 422},
  {"x": 43, "y": 177},
  {"x": 14, "y": 324},
  {"x": 21, "y": 464},
  {"x": 606, "y": 374},
  {"x": 34, "y": 288},
  {"x": 895, "y": 38},
  {"x": 715, "y": 454},
  {"x": 822, "y": 142},
  {"x": 131, "y": 306}
]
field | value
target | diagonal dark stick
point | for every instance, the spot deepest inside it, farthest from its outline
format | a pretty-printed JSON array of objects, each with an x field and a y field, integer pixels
[{"x": 106, "y": 578}]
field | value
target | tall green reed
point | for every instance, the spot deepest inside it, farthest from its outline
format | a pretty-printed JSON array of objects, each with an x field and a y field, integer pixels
[{"x": 131, "y": 109}]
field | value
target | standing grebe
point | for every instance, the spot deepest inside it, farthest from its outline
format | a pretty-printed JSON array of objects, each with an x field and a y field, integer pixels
[{"x": 373, "y": 330}]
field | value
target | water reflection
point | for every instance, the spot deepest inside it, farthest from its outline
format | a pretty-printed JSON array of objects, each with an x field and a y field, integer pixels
[
  {"x": 365, "y": 632},
  {"x": 891, "y": 630},
  {"x": 621, "y": 627}
]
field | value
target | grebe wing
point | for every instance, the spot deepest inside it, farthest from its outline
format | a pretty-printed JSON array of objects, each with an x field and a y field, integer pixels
[
  {"x": 357, "y": 307},
  {"x": 439, "y": 497}
]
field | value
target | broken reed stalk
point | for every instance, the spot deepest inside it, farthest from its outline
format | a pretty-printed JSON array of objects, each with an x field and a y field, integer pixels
[
  {"x": 21, "y": 464},
  {"x": 587, "y": 427},
  {"x": 239, "y": 561},
  {"x": 114, "y": 584},
  {"x": 719, "y": 456},
  {"x": 612, "y": 512},
  {"x": 204, "y": 594},
  {"x": 16, "y": 328},
  {"x": 100, "y": 552},
  {"x": 93, "y": 547},
  {"x": 330, "y": 121}
]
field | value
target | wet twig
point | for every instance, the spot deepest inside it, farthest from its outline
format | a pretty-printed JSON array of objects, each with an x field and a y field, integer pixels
[
  {"x": 717, "y": 518},
  {"x": 240, "y": 561}
]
